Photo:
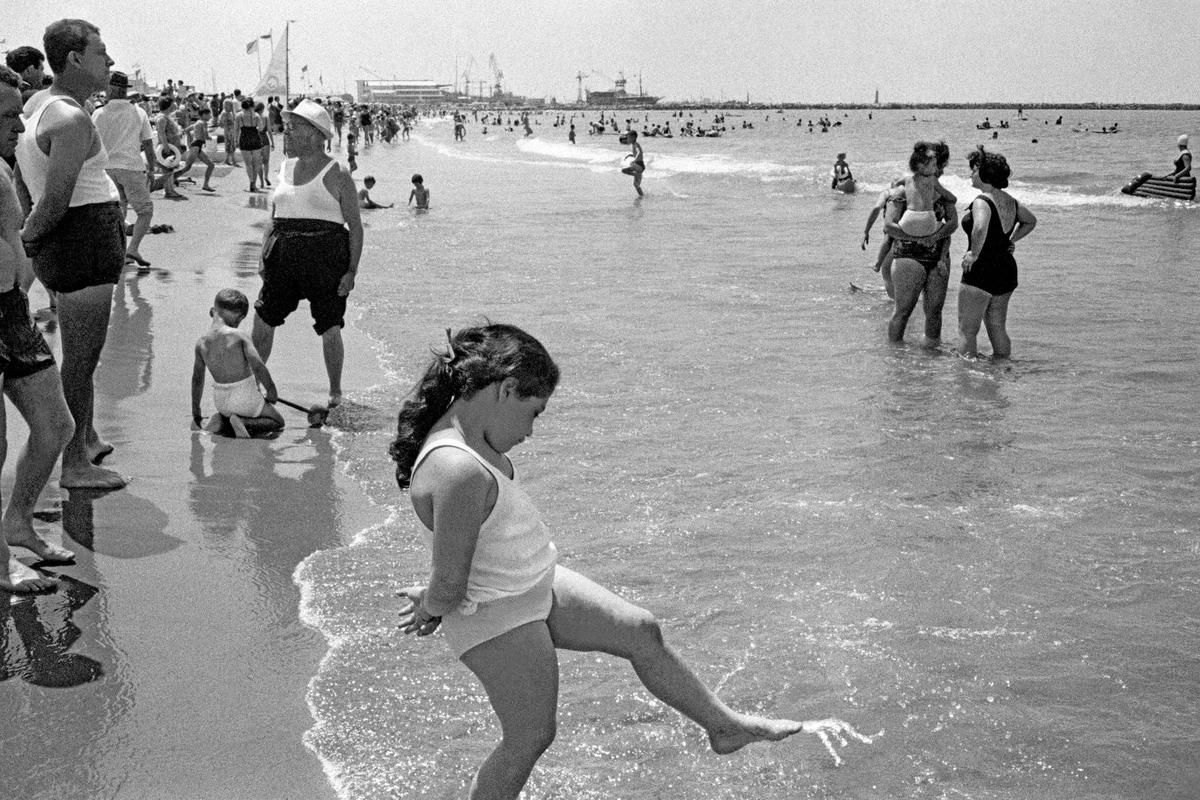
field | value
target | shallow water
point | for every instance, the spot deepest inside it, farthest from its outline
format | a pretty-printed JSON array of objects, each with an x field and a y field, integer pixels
[{"x": 995, "y": 563}]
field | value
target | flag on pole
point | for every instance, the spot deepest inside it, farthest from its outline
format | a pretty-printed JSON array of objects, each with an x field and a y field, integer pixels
[
  {"x": 266, "y": 35},
  {"x": 274, "y": 79},
  {"x": 252, "y": 47}
]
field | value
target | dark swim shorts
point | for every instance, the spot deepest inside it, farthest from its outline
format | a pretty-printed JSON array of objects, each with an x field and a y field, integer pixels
[
  {"x": 86, "y": 248},
  {"x": 23, "y": 351},
  {"x": 304, "y": 259}
]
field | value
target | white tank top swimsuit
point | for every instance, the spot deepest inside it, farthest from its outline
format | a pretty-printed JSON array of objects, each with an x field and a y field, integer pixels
[
  {"x": 514, "y": 551},
  {"x": 310, "y": 200},
  {"x": 91, "y": 186}
]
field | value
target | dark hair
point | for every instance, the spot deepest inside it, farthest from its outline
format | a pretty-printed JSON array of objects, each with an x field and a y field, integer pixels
[
  {"x": 921, "y": 153},
  {"x": 233, "y": 301},
  {"x": 205, "y": 110},
  {"x": 65, "y": 37},
  {"x": 417, "y": 178},
  {"x": 10, "y": 78},
  {"x": 24, "y": 57},
  {"x": 993, "y": 167},
  {"x": 165, "y": 102},
  {"x": 943, "y": 154},
  {"x": 247, "y": 103},
  {"x": 475, "y": 358}
]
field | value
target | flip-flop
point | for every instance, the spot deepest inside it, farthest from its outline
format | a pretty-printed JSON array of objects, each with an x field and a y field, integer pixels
[{"x": 47, "y": 551}]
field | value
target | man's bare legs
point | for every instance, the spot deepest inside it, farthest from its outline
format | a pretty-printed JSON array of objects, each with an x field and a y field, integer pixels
[
  {"x": 335, "y": 355},
  {"x": 39, "y": 399},
  {"x": 263, "y": 336},
  {"x": 15, "y": 577},
  {"x": 83, "y": 318}
]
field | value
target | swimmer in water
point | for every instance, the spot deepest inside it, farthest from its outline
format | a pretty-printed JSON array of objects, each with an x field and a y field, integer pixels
[
  {"x": 419, "y": 193},
  {"x": 841, "y": 171},
  {"x": 364, "y": 195}
]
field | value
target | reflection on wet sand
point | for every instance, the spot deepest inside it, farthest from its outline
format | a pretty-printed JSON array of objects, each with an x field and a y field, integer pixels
[
  {"x": 270, "y": 524},
  {"x": 37, "y": 633}
]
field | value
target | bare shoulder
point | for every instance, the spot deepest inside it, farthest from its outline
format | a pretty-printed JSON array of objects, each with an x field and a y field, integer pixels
[{"x": 452, "y": 471}]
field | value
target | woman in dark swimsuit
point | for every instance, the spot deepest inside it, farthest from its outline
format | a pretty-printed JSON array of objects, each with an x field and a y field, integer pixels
[
  {"x": 994, "y": 222},
  {"x": 249, "y": 138}
]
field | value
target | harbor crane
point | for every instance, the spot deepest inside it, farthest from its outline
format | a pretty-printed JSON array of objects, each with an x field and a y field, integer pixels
[
  {"x": 466, "y": 76},
  {"x": 495, "y": 67}
]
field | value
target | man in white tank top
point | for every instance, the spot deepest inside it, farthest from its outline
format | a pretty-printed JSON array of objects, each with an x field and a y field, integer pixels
[{"x": 74, "y": 232}]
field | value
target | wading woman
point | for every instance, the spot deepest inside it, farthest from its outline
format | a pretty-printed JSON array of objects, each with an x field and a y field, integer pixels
[{"x": 994, "y": 222}]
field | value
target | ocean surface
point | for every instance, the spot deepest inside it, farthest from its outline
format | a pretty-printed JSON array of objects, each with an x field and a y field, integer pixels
[{"x": 995, "y": 563}]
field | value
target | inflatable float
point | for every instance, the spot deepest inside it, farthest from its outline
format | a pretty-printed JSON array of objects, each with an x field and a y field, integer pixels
[
  {"x": 846, "y": 186},
  {"x": 1146, "y": 185}
]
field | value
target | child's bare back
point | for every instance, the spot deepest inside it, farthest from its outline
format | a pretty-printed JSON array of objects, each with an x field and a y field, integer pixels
[{"x": 230, "y": 357}]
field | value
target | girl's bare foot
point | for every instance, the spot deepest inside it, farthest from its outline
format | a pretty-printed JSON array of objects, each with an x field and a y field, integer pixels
[{"x": 748, "y": 729}]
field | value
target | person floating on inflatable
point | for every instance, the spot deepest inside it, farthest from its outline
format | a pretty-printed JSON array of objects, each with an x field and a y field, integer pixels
[
  {"x": 1183, "y": 164},
  {"x": 638, "y": 165}
]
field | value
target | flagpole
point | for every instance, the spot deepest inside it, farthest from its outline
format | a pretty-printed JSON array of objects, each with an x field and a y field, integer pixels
[
  {"x": 287, "y": 52},
  {"x": 258, "y": 53}
]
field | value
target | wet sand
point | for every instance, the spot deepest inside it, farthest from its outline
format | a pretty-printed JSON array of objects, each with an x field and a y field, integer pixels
[{"x": 171, "y": 662}]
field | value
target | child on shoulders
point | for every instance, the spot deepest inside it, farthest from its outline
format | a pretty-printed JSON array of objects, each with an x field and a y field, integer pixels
[{"x": 237, "y": 370}]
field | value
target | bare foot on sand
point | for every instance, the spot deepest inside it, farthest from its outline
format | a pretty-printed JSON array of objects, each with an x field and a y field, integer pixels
[
  {"x": 20, "y": 533},
  {"x": 20, "y": 579},
  {"x": 239, "y": 427},
  {"x": 91, "y": 477},
  {"x": 335, "y": 399},
  {"x": 749, "y": 729}
]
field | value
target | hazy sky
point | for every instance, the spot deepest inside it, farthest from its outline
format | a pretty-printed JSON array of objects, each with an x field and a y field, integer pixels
[{"x": 775, "y": 50}]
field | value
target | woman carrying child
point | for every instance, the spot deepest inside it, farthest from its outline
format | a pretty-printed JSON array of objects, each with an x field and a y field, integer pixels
[
  {"x": 496, "y": 588},
  {"x": 920, "y": 250}
]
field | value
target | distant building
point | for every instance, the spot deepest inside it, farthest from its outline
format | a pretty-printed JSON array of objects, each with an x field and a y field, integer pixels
[{"x": 404, "y": 92}]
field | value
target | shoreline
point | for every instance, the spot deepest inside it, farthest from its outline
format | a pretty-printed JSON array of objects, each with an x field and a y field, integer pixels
[{"x": 173, "y": 660}]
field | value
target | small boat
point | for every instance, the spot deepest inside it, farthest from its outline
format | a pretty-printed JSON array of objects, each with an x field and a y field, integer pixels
[
  {"x": 1146, "y": 185},
  {"x": 845, "y": 186}
]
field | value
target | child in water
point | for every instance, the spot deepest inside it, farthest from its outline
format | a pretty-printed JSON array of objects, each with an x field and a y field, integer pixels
[
  {"x": 419, "y": 192},
  {"x": 638, "y": 165},
  {"x": 921, "y": 190},
  {"x": 364, "y": 195},
  {"x": 236, "y": 369},
  {"x": 496, "y": 588},
  {"x": 351, "y": 152}
]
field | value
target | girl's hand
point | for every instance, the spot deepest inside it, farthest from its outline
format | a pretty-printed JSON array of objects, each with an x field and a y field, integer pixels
[
  {"x": 413, "y": 618},
  {"x": 866, "y": 239},
  {"x": 968, "y": 261}
]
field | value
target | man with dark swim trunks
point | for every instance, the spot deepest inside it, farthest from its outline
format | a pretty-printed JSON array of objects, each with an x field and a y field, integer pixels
[
  {"x": 28, "y": 374},
  {"x": 74, "y": 232}
]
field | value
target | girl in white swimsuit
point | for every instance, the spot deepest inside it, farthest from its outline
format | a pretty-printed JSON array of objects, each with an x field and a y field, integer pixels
[{"x": 496, "y": 587}]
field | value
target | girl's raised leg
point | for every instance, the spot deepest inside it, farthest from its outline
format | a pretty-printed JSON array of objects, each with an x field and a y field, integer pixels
[
  {"x": 519, "y": 671},
  {"x": 586, "y": 616}
]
